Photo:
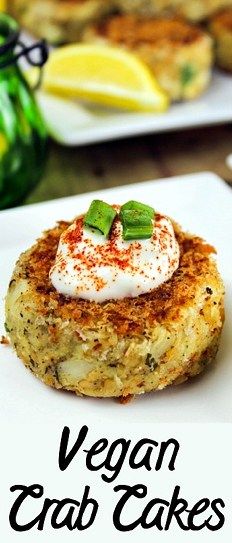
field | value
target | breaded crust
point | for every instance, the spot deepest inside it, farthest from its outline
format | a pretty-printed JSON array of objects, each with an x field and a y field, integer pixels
[
  {"x": 59, "y": 20},
  {"x": 119, "y": 347},
  {"x": 180, "y": 55},
  {"x": 220, "y": 27},
  {"x": 192, "y": 10}
]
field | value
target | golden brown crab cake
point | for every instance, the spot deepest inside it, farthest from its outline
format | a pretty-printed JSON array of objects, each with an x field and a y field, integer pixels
[
  {"x": 119, "y": 347},
  {"x": 193, "y": 10},
  {"x": 59, "y": 20},
  {"x": 180, "y": 55},
  {"x": 146, "y": 7},
  {"x": 200, "y": 10},
  {"x": 220, "y": 27}
]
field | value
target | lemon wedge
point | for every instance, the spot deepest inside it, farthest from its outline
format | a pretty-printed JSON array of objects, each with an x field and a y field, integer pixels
[{"x": 104, "y": 75}]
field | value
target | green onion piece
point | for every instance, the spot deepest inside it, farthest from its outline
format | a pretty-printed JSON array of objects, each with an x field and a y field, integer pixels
[
  {"x": 100, "y": 216},
  {"x": 188, "y": 72},
  {"x": 137, "y": 206},
  {"x": 137, "y": 224},
  {"x": 132, "y": 217},
  {"x": 137, "y": 232}
]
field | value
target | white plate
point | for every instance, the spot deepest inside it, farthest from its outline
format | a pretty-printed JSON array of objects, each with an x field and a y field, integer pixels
[
  {"x": 75, "y": 124},
  {"x": 200, "y": 203}
]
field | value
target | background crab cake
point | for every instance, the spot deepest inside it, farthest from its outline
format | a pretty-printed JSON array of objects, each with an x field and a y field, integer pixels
[
  {"x": 193, "y": 10},
  {"x": 146, "y": 7},
  {"x": 221, "y": 29},
  {"x": 180, "y": 55},
  {"x": 59, "y": 20},
  {"x": 64, "y": 20},
  {"x": 199, "y": 10},
  {"x": 119, "y": 347}
]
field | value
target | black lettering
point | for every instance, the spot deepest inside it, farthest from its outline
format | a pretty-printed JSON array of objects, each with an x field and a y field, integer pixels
[
  {"x": 163, "y": 448},
  {"x": 34, "y": 491},
  {"x": 66, "y": 458},
  {"x": 146, "y": 460},
  {"x": 221, "y": 517},
  {"x": 68, "y": 519},
  {"x": 138, "y": 491},
  {"x": 42, "y": 517},
  {"x": 197, "y": 509},
  {"x": 157, "y": 520},
  {"x": 116, "y": 466},
  {"x": 177, "y": 507},
  {"x": 86, "y": 515},
  {"x": 96, "y": 449},
  {"x": 78, "y": 523},
  {"x": 86, "y": 502}
]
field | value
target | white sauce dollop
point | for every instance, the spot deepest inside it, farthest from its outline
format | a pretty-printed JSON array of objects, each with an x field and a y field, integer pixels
[{"x": 95, "y": 268}]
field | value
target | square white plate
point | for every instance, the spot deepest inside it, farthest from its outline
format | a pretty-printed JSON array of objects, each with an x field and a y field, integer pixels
[
  {"x": 76, "y": 124},
  {"x": 202, "y": 204}
]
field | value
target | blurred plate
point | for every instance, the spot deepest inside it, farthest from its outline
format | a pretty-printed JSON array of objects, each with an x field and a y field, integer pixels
[{"x": 73, "y": 123}]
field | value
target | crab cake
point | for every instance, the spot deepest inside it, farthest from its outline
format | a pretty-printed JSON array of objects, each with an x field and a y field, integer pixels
[
  {"x": 193, "y": 10},
  {"x": 59, "y": 20},
  {"x": 180, "y": 55},
  {"x": 146, "y": 7},
  {"x": 121, "y": 346},
  {"x": 221, "y": 29},
  {"x": 200, "y": 10}
]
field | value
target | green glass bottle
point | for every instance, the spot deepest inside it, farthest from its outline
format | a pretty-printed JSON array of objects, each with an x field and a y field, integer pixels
[{"x": 22, "y": 131}]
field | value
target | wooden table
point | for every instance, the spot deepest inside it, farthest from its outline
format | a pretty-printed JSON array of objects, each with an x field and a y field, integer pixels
[{"x": 82, "y": 169}]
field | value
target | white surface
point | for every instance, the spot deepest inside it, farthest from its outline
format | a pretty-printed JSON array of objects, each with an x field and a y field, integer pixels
[
  {"x": 76, "y": 124},
  {"x": 202, "y": 448},
  {"x": 200, "y": 203}
]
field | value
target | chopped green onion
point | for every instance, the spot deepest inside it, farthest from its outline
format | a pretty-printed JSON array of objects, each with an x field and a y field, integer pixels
[
  {"x": 137, "y": 232},
  {"x": 132, "y": 217},
  {"x": 188, "y": 72},
  {"x": 137, "y": 206},
  {"x": 137, "y": 224},
  {"x": 100, "y": 216}
]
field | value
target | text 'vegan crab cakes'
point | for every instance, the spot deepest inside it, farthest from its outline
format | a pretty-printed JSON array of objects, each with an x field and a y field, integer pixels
[
  {"x": 59, "y": 20},
  {"x": 193, "y": 10},
  {"x": 221, "y": 29},
  {"x": 179, "y": 54},
  {"x": 121, "y": 346}
]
